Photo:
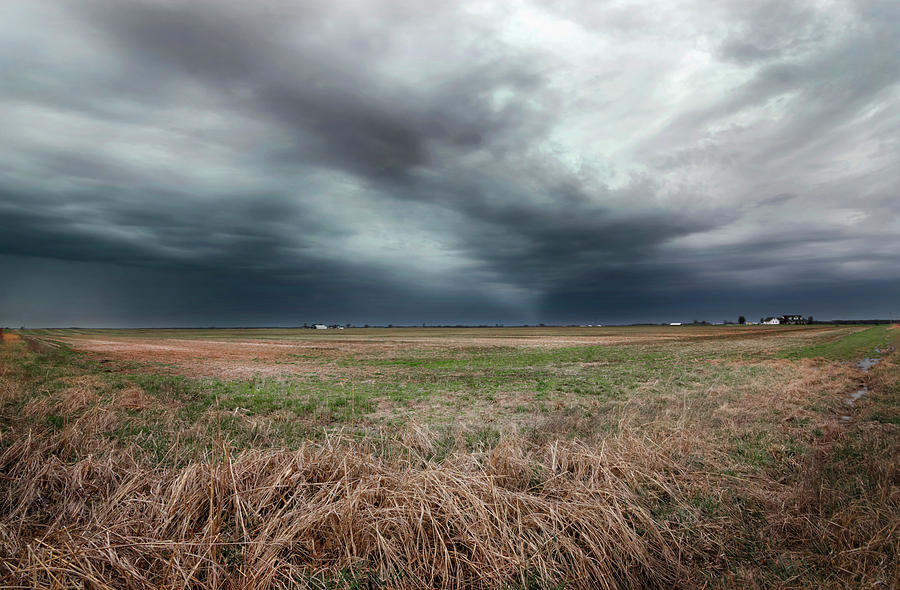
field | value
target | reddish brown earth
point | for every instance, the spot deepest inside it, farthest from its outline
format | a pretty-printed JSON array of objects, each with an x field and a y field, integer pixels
[
  {"x": 236, "y": 359},
  {"x": 220, "y": 359},
  {"x": 240, "y": 357}
]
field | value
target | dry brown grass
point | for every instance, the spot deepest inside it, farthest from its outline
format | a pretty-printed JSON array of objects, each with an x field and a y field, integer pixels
[
  {"x": 275, "y": 519},
  {"x": 79, "y": 396},
  {"x": 134, "y": 398},
  {"x": 806, "y": 381}
]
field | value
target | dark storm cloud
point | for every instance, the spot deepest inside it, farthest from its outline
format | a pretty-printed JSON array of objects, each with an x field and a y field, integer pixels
[
  {"x": 546, "y": 244},
  {"x": 406, "y": 162},
  {"x": 325, "y": 88}
]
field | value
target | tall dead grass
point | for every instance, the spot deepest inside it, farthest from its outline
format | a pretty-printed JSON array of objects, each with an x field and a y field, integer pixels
[{"x": 331, "y": 513}]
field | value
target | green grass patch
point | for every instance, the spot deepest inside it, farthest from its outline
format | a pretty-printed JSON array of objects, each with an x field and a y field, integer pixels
[
  {"x": 850, "y": 347},
  {"x": 751, "y": 450}
]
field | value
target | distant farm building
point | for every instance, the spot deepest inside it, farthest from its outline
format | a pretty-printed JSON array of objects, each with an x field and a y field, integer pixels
[
  {"x": 785, "y": 319},
  {"x": 674, "y": 323},
  {"x": 320, "y": 327},
  {"x": 792, "y": 319}
]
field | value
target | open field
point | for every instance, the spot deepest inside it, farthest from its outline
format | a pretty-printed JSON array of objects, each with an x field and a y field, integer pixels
[{"x": 718, "y": 456}]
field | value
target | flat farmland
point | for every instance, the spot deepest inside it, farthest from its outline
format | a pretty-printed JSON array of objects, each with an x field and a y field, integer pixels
[{"x": 718, "y": 456}]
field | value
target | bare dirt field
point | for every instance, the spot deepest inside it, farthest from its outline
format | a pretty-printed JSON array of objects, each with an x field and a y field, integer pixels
[{"x": 236, "y": 354}]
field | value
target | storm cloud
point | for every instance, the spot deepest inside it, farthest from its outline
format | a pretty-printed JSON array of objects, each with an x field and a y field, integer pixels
[{"x": 275, "y": 162}]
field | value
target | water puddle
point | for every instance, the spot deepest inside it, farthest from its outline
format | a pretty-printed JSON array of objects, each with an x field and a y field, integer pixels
[
  {"x": 857, "y": 395},
  {"x": 852, "y": 399},
  {"x": 864, "y": 365},
  {"x": 868, "y": 363}
]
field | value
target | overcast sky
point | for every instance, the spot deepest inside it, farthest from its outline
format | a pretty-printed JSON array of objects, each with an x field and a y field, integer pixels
[{"x": 278, "y": 162}]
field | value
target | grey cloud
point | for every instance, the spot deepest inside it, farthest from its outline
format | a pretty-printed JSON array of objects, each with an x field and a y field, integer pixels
[
  {"x": 325, "y": 90},
  {"x": 376, "y": 157},
  {"x": 772, "y": 30}
]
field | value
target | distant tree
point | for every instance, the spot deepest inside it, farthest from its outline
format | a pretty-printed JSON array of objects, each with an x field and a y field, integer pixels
[
  {"x": 742, "y": 319},
  {"x": 809, "y": 320}
]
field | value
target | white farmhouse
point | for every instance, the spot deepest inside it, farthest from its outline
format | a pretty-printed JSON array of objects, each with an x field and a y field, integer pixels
[
  {"x": 320, "y": 327},
  {"x": 772, "y": 321}
]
